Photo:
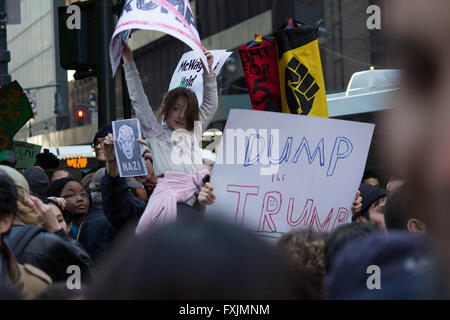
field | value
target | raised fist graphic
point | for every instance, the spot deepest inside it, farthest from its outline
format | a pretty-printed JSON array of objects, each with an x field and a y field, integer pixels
[{"x": 301, "y": 87}]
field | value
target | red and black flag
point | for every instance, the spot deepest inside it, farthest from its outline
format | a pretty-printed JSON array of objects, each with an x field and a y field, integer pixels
[{"x": 260, "y": 64}]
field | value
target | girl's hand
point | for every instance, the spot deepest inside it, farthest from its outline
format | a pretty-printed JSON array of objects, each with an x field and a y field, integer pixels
[
  {"x": 210, "y": 59},
  {"x": 146, "y": 154},
  {"x": 206, "y": 195},
  {"x": 127, "y": 55}
]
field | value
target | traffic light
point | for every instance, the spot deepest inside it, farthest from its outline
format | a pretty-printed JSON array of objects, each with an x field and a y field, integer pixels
[
  {"x": 78, "y": 38},
  {"x": 81, "y": 116}
]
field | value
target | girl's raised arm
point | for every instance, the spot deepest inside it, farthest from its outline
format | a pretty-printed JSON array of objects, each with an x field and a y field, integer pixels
[
  {"x": 149, "y": 124},
  {"x": 210, "y": 96}
]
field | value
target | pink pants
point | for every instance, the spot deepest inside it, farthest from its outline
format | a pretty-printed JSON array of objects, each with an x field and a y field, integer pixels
[{"x": 173, "y": 188}]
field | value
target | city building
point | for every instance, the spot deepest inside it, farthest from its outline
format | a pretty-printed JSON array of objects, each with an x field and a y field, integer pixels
[
  {"x": 35, "y": 65},
  {"x": 346, "y": 45}
]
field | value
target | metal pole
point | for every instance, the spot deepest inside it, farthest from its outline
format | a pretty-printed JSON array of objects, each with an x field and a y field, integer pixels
[
  {"x": 105, "y": 82},
  {"x": 5, "y": 55}
]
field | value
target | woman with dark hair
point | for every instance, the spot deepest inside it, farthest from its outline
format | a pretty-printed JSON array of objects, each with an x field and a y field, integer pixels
[{"x": 90, "y": 227}]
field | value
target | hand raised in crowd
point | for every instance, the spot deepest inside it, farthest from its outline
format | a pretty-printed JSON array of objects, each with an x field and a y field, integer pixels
[
  {"x": 127, "y": 54},
  {"x": 210, "y": 59},
  {"x": 150, "y": 180},
  {"x": 108, "y": 148},
  {"x": 110, "y": 157},
  {"x": 45, "y": 212},
  {"x": 61, "y": 201},
  {"x": 206, "y": 195},
  {"x": 357, "y": 203},
  {"x": 146, "y": 154}
]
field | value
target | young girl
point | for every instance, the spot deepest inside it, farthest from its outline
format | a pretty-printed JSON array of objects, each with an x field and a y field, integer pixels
[{"x": 179, "y": 180}]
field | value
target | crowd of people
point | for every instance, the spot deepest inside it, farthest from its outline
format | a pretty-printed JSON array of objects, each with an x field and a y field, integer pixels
[
  {"x": 66, "y": 235},
  {"x": 54, "y": 219}
]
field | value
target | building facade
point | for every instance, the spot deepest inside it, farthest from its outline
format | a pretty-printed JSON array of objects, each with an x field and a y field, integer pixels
[
  {"x": 35, "y": 63},
  {"x": 346, "y": 46}
]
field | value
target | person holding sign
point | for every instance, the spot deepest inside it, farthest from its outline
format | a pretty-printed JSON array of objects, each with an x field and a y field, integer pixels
[{"x": 174, "y": 145}]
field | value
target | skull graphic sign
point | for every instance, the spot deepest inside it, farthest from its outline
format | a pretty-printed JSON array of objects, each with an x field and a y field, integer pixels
[{"x": 127, "y": 149}]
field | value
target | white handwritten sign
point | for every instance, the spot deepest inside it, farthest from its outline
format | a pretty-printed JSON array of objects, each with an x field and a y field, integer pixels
[
  {"x": 276, "y": 171},
  {"x": 173, "y": 17},
  {"x": 189, "y": 70}
]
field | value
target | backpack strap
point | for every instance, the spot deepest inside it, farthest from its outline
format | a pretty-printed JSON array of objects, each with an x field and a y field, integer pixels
[{"x": 23, "y": 238}]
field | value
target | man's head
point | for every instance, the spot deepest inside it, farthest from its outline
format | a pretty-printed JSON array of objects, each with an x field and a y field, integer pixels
[
  {"x": 397, "y": 265},
  {"x": 21, "y": 184},
  {"x": 398, "y": 214},
  {"x": 8, "y": 158},
  {"x": 66, "y": 172},
  {"x": 47, "y": 160},
  {"x": 97, "y": 142},
  {"x": 306, "y": 249},
  {"x": 166, "y": 264},
  {"x": 418, "y": 131},
  {"x": 38, "y": 181},
  {"x": 369, "y": 177},
  {"x": 394, "y": 183},
  {"x": 8, "y": 203},
  {"x": 373, "y": 202},
  {"x": 137, "y": 189},
  {"x": 343, "y": 235},
  {"x": 95, "y": 185}
]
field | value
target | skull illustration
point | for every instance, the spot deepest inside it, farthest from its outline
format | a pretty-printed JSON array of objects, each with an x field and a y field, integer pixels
[{"x": 126, "y": 141}]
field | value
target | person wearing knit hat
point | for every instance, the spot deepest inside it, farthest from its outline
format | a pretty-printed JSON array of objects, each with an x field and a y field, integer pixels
[
  {"x": 17, "y": 177},
  {"x": 372, "y": 209},
  {"x": 37, "y": 180},
  {"x": 97, "y": 142},
  {"x": 379, "y": 266}
]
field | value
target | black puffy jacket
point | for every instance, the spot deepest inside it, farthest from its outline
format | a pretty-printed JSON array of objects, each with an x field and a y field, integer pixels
[{"x": 52, "y": 254}]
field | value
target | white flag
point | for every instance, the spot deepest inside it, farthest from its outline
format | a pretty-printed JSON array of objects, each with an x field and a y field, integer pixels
[{"x": 173, "y": 17}]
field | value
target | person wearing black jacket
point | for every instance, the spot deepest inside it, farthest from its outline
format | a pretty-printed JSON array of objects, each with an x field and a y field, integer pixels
[
  {"x": 96, "y": 232},
  {"x": 36, "y": 246},
  {"x": 119, "y": 205},
  {"x": 51, "y": 253}
]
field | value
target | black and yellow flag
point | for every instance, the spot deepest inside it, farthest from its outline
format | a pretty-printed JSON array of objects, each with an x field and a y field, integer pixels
[{"x": 301, "y": 78}]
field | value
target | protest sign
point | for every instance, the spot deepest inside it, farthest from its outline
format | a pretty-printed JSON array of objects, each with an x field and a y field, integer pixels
[
  {"x": 15, "y": 111},
  {"x": 189, "y": 70},
  {"x": 174, "y": 17},
  {"x": 276, "y": 171},
  {"x": 25, "y": 154},
  {"x": 128, "y": 151}
]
